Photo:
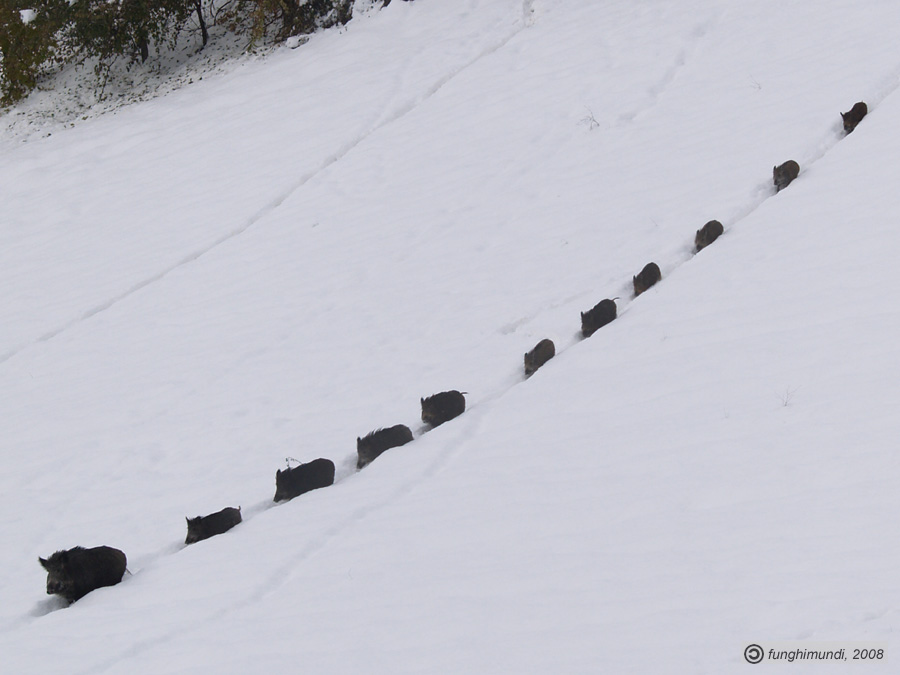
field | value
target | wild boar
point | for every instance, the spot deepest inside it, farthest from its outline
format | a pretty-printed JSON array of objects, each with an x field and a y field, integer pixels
[
  {"x": 375, "y": 442},
  {"x": 597, "y": 317},
  {"x": 854, "y": 116},
  {"x": 708, "y": 234},
  {"x": 78, "y": 571},
  {"x": 204, "y": 527},
  {"x": 294, "y": 482},
  {"x": 543, "y": 351},
  {"x": 783, "y": 175},
  {"x": 442, "y": 407},
  {"x": 647, "y": 277}
]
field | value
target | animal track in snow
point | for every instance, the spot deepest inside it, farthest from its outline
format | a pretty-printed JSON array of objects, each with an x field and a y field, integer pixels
[
  {"x": 656, "y": 90},
  {"x": 398, "y": 113}
]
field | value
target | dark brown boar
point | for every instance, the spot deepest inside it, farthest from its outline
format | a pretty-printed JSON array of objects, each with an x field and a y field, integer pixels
[
  {"x": 442, "y": 407},
  {"x": 376, "y": 442},
  {"x": 542, "y": 352},
  {"x": 78, "y": 571},
  {"x": 708, "y": 234},
  {"x": 783, "y": 175},
  {"x": 647, "y": 277},
  {"x": 597, "y": 317},
  {"x": 204, "y": 527},
  {"x": 854, "y": 116},
  {"x": 294, "y": 482}
]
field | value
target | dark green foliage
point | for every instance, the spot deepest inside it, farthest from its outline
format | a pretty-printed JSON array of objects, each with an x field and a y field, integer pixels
[
  {"x": 25, "y": 47},
  {"x": 284, "y": 18},
  {"x": 83, "y": 29},
  {"x": 106, "y": 30}
]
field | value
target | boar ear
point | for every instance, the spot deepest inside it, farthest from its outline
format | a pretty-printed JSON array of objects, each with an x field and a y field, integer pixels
[
  {"x": 278, "y": 472},
  {"x": 422, "y": 401},
  {"x": 43, "y": 564}
]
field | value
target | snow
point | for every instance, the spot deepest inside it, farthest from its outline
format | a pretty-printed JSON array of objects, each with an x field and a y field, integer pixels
[{"x": 283, "y": 257}]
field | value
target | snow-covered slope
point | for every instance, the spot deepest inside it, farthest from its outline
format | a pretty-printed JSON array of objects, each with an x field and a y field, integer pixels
[{"x": 274, "y": 262}]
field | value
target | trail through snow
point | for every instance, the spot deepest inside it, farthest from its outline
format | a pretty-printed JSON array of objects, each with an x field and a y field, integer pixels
[{"x": 404, "y": 208}]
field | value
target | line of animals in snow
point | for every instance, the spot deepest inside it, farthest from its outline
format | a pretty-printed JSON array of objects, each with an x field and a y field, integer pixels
[{"x": 75, "y": 572}]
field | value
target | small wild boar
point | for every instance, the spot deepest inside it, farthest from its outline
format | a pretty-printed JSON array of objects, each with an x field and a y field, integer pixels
[
  {"x": 375, "y": 442},
  {"x": 294, "y": 482},
  {"x": 784, "y": 174},
  {"x": 597, "y": 317},
  {"x": 542, "y": 352},
  {"x": 442, "y": 407},
  {"x": 854, "y": 116},
  {"x": 78, "y": 571},
  {"x": 708, "y": 234},
  {"x": 204, "y": 527},
  {"x": 647, "y": 277}
]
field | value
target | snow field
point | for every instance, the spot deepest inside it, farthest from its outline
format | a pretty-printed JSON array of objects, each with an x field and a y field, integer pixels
[{"x": 713, "y": 468}]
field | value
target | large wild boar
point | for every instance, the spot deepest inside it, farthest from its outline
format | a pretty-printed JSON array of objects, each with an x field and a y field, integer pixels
[
  {"x": 543, "y": 351},
  {"x": 708, "y": 234},
  {"x": 647, "y": 277},
  {"x": 783, "y": 175},
  {"x": 854, "y": 116},
  {"x": 204, "y": 527},
  {"x": 442, "y": 407},
  {"x": 375, "y": 442},
  {"x": 597, "y": 317},
  {"x": 294, "y": 482},
  {"x": 78, "y": 571}
]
